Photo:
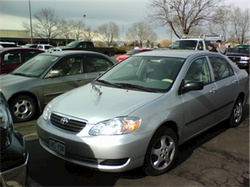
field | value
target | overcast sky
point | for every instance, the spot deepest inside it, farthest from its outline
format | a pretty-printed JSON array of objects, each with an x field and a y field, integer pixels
[{"x": 123, "y": 12}]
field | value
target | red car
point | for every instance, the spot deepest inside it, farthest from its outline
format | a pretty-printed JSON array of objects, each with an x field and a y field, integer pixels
[
  {"x": 12, "y": 57},
  {"x": 133, "y": 51}
]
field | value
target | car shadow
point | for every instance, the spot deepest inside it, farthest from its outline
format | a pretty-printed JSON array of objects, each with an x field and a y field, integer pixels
[{"x": 186, "y": 150}]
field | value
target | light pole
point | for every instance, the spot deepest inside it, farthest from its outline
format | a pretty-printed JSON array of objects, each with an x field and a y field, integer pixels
[
  {"x": 31, "y": 30},
  {"x": 171, "y": 31}
]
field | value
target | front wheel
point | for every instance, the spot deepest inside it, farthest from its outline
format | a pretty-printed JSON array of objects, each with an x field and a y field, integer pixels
[
  {"x": 236, "y": 116},
  {"x": 23, "y": 108},
  {"x": 161, "y": 153}
]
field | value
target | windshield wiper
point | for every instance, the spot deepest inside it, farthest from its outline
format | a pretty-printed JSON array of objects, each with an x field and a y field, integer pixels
[
  {"x": 126, "y": 85},
  {"x": 108, "y": 83},
  {"x": 22, "y": 74}
]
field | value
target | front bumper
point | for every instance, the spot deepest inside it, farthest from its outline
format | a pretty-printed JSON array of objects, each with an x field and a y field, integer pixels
[
  {"x": 116, "y": 153},
  {"x": 15, "y": 175}
]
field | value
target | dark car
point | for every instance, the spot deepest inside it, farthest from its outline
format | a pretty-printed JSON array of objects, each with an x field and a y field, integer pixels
[
  {"x": 14, "y": 154},
  {"x": 12, "y": 57},
  {"x": 32, "y": 85},
  {"x": 240, "y": 55}
]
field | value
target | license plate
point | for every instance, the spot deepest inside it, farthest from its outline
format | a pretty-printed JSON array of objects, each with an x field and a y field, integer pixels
[{"x": 57, "y": 146}]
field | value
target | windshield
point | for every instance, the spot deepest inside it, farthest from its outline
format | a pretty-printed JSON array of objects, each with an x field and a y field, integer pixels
[
  {"x": 185, "y": 44},
  {"x": 72, "y": 44},
  {"x": 154, "y": 74},
  {"x": 241, "y": 49},
  {"x": 36, "y": 66}
]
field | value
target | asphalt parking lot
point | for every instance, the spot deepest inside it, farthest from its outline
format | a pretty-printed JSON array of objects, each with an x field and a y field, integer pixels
[{"x": 218, "y": 157}]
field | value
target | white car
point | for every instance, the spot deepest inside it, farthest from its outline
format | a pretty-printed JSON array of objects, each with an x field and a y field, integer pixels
[
  {"x": 138, "y": 112},
  {"x": 45, "y": 47}
]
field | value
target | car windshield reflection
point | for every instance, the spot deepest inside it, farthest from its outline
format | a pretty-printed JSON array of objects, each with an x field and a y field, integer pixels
[
  {"x": 144, "y": 73},
  {"x": 36, "y": 66}
]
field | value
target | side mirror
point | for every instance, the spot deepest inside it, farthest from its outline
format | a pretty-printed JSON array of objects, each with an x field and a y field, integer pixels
[
  {"x": 186, "y": 87},
  {"x": 54, "y": 73}
]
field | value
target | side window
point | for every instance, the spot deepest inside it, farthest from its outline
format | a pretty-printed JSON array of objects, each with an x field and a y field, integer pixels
[
  {"x": 12, "y": 58},
  {"x": 69, "y": 66},
  {"x": 26, "y": 55},
  {"x": 200, "y": 45},
  {"x": 198, "y": 72},
  {"x": 96, "y": 64},
  {"x": 221, "y": 68}
]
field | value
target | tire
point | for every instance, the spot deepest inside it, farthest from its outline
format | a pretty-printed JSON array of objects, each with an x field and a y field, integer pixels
[
  {"x": 161, "y": 152},
  {"x": 237, "y": 113},
  {"x": 23, "y": 108}
]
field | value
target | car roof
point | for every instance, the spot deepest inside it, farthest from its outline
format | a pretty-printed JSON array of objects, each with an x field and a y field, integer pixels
[
  {"x": 71, "y": 52},
  {"x": 19, "y": 48},
  {"x": 174, "y": 53}
]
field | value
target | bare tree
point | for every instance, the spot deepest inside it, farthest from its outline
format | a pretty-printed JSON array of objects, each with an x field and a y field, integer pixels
[
  {"x": 142, "y": 33},
  {"x": 78, "y": 28},
  {"x": 240, "y": 22},
  {"x": 220, "y": 24},
  {"x": 89, "y": 34},
  {"x": 108, "y": 32},
  {"x": 45, "y": 24},
  {"x": 182, "y": 15},
  {"x": 64, "y": 26}
]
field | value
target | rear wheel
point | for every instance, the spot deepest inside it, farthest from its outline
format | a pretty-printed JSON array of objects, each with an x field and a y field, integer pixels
[
  {"x": 162, "y": 152},
  {"x": 23, "y": 108},
  {"x": 236, "y": 116}
]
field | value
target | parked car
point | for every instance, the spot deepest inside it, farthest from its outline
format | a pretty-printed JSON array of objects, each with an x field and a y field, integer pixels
[
  {"x": 240, "y": 55},
  {"x": 32, "y": 85},
  {"x": 86, "y": 46},
  {"x": 131, "y": 52},
  {"x": 138, "y": 112},
  {"x": 14, "y": 154},
  {"x": 12, "y": 57},
  {"x": 7, "y": 44},
  {"x": 30, "y": 45},
  {"x": 44, "y": 47},
  {"x": 196, "y": 43}
]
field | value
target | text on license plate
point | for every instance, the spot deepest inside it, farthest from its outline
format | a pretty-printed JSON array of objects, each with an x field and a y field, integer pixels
[{"x": 57, "y": 146}]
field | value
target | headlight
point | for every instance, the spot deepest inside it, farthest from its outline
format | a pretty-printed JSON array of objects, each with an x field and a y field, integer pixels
[
  {"x": 244, "y": 58},
  {"x": 46, "y": 112},
  {"x": 116, "y": 126},
  {"x": 6, "y": 127}
]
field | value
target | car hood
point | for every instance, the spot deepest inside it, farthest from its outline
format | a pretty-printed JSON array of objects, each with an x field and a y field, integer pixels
[
  {"x": 94, "y": 106},
  {"x": 237, "y": 54},
  {"x": 9, "y": 79}
]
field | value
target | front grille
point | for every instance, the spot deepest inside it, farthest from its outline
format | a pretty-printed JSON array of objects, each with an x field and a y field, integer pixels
[
  {"x": 234, "y": 58},
  {"x": 67, "y": 123}
]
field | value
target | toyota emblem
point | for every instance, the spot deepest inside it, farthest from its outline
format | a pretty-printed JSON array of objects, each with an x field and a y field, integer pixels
[{"x": 64, "y": 121}]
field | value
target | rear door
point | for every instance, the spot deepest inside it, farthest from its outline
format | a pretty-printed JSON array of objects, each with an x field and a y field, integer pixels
[{"x": 226, "y": 91}]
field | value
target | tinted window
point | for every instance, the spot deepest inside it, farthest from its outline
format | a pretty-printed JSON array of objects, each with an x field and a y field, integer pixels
[
  {"x": 13, "y": 57},
  {"x": 26, "y": 55},
  {"x": 220, "y": 67},
  {"x": 96, "y": 64},
  {"x": 185, "y": 44}
]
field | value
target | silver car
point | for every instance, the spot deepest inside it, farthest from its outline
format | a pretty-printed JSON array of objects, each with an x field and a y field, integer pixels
[
  {"x": 140, "y": 111},
  {"x": 31, "y": 86}
]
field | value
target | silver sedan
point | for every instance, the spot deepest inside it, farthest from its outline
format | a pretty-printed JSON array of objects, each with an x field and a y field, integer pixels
[
  {"x": 140, "y": 111},
  {"x": 31, "y": 86}
]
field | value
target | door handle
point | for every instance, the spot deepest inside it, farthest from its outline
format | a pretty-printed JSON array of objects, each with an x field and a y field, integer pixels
[{"x": 214, "y": 90}]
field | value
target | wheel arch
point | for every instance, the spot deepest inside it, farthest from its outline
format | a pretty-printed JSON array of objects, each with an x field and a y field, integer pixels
[
  {"x": 172, "y": 125},
  {"x": 28, "y": 94}
]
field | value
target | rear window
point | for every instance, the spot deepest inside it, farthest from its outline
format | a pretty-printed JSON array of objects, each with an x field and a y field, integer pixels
[{"x": 185, "y": 44}]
